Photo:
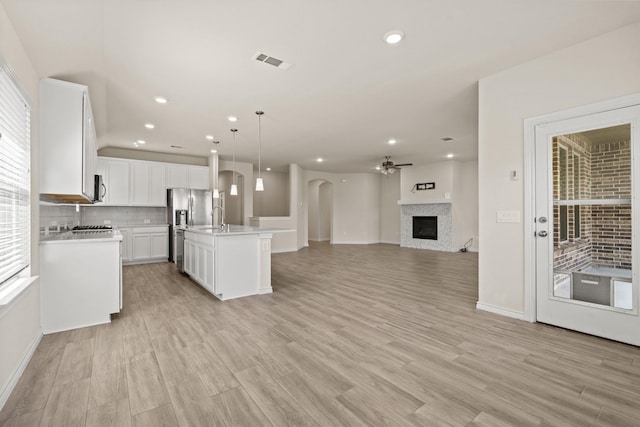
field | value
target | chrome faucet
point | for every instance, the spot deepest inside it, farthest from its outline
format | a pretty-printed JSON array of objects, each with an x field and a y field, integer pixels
[{"x": 222, "y": 224}]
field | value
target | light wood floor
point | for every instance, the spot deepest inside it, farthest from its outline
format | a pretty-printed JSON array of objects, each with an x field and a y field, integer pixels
[{"x": 371, "y": 335}]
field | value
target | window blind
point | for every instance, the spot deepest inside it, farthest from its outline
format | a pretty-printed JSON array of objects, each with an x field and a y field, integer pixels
[{"x": 14, "y": 179}]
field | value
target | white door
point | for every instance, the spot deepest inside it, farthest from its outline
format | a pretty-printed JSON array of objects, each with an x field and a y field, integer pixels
[{"x": 587, "y": 177}]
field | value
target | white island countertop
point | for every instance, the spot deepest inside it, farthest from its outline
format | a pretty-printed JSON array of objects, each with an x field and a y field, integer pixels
[{"x": 232, "y": 230}]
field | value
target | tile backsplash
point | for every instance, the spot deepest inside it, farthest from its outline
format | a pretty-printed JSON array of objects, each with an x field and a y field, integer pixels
[{"x": 57, "y": 215}]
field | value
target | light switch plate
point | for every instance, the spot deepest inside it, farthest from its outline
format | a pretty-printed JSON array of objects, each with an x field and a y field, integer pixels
[{"x": 507, "y": 216}]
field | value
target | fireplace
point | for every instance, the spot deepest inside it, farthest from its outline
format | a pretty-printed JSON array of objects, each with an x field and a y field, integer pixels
[{"x": 425, "y": 227}]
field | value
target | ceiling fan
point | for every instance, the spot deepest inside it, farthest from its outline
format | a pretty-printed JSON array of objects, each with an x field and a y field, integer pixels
[{"x": 388, "y": 167}]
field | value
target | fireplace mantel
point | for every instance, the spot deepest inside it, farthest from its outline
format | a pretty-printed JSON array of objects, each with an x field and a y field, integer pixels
[{"x": 424, "y": 202}]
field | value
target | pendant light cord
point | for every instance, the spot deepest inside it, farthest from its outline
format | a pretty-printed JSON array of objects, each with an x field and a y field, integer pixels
[
  {"x": 234, "y": 156},
  {"x": 259, "y": 113}
]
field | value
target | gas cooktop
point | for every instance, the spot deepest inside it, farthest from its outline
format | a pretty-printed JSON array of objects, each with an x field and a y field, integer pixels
[{"x": 85, "y": 228}]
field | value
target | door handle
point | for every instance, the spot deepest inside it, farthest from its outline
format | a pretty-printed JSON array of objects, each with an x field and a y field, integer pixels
[{"x": 542, "y": 233}]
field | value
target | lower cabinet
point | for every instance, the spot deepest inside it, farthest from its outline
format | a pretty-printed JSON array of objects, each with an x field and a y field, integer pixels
[
  {"x": 198, "y": 259},
  {"x": 145, "y": 244},
  {"x": 126, "y": 244}
]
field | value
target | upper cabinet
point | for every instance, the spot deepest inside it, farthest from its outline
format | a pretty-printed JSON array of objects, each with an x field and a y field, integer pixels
[
  {"x": 67, "y": 142},
  {"x": 143, "y": 183},
  {"x": 198, "y": 177},
  {"x": 149, "y": 184},
  {"x": 177, "y": 176}
]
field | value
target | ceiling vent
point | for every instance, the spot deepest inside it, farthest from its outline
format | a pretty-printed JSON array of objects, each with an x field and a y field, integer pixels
[{"x": 278, "y": 63}]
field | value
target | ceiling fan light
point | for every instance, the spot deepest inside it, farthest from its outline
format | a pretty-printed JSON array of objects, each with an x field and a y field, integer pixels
[
  {"x": 259, "y": 185},
  {"x": 216, "y": 193},
  {"x": 392, "y": 170},
  {"x": 234, "y": 190}
]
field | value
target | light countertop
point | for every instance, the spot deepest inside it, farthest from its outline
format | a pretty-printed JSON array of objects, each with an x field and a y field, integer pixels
[
  {"x": 87, "y": 236},
  {"x": 232, "y": 230}
]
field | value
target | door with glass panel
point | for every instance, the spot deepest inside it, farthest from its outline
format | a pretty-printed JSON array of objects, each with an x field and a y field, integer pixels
[{"x": 587, "y": 173}]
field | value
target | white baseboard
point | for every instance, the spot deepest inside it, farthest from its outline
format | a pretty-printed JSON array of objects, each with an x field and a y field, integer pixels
[
  {"x": 389, "y": 242},
  {"x": 473, "y": 250},
  {"x": 264, "y": 291},
  {"x": 4, "y": 396},
  {"x": 501, "y": 311}
]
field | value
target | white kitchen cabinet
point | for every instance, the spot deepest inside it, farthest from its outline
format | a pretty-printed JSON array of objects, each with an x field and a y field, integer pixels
[
  {"x": 198, "y": 177},
  {"x": 126, "y": 243},
  {"x": 158, "y": 184},
  {"x": 177, "y": 176},
  {"x": 142, "y": 183},
  {"x": 148, "y": 181},
  {"x": 67, "y": 142},
  {"x": 199, "y": 260},
  {"x": 116, "y": 178},
  {"x": 189, "y": 259},
  {"x": 150, "y": 244}
]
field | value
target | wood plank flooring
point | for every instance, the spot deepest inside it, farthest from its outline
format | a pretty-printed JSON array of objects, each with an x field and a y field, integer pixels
[{"x": 372, "y": 335}]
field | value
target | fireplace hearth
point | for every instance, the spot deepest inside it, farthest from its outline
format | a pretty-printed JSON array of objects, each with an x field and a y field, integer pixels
[{"x": 425, "y": 227}]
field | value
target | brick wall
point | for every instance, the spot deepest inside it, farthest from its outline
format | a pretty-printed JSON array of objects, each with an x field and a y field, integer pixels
[{"x": 604, "y": 172}]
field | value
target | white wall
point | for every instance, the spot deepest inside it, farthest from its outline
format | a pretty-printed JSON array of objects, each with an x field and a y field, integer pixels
[
  {"x": 274, "y": 200},
  {"x": 602, "y": 68},
  {"x": 466, "y": 205},
  {"x": 313, "y": 210},
  {"x": 20, "y": 322},
  {"x": 441, "y": 173},
  {"x": 356, "y": 206},
  {"x": 325, "y": 211},
  {"x": 389, "y": 209}
]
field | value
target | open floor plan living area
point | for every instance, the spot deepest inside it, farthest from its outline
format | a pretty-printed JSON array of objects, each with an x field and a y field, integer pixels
[{"x": 367, "y": 213}]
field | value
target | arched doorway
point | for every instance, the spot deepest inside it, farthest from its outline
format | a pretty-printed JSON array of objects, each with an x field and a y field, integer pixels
[
  {"x": 320, "y": 212},
  {"x": 233, "y": 205}
]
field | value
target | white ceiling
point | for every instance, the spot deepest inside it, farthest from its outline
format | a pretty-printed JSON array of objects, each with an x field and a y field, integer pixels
[{"x": 346, "y": 94}]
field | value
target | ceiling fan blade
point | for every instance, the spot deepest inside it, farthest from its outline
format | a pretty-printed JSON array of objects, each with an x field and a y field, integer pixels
[{"x": 404, "y": 164}]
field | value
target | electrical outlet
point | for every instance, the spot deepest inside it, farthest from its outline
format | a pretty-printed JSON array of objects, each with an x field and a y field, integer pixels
[{"x": 107, "y": 222}]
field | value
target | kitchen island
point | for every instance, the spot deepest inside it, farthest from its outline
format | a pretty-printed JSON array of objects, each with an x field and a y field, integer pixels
[{"x": 232, "y": 263}]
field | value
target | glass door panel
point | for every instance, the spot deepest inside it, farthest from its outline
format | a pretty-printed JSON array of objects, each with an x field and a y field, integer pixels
[{"x": 592, "y": 217}]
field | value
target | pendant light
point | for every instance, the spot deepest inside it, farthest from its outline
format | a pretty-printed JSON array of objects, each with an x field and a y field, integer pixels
[
  {"x": 234, "y": 187},
  {"x": 259, "y": 183}
]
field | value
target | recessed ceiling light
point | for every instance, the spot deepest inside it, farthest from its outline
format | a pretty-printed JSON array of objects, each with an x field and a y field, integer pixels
[
  {"x": 141, "y": 142},
  {"x": 450, "y": 156},
  {"x": 393, "y": 37},
  {"x": 160, "y": 100},
  {"x": 232, "y": 118},
  {"x": 209, "y": 137},
  {"x": 214, "y": 151},
  {"x": 392, "y": 141},
  {"x": 319, "y": 160},
  {"x": 268, "y": 169},
  {"x": 149, "y": 125}
]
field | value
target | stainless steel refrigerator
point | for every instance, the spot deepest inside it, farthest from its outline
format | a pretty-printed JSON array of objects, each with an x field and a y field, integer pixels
[{"x": 186, "y": 207}]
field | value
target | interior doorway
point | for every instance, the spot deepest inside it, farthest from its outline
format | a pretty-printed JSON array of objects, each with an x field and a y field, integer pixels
[
  {"x": 233, "y": 205},
  {"x": 320, "y": 213},
  {"x": 586, "y": 257}
]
